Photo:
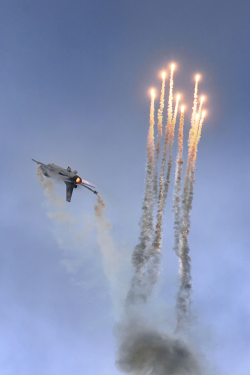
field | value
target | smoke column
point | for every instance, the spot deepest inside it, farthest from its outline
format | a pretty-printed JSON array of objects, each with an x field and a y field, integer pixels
[
  {"x": 198, "y": 119},
  {"x": 170, "y": 145},
  {"x": 141, "y": 284},
  {"x": 110, "y": 255},
  {"x": 193, "y": 118},
  {"x": 157, "y": 241},
  {"x": 177, "y": 188},
  {"x": 151, "y": 145},
  {"x": 199, "y": 130},
  {"x": 170, "y": 98},
  {"x": 155, "y": 250},
  {"x": 143, "y": 350},
  {"x": 49, "y": 190},
  {"x": 185, "y": 290},
  {"x": 69, "y": 225},
  {"x": 159, "y": 135},
  {"x": 70, "y": 231}
]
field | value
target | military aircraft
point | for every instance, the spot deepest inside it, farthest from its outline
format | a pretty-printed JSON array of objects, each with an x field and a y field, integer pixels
[{"x": 70, "y": 178}]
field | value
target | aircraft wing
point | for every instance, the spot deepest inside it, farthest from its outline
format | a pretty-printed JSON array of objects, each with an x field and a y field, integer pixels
[{"x": 69, "y": 191}]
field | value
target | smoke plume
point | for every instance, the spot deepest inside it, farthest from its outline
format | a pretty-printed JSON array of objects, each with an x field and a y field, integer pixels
[
  {"x": 111, "y": 257},
  {"x": 183, "y": 301},
  {"x": 177, "y": 187},
  {"x": 49, "y": 191},
  {"x": 159, "y": 135},
  {"x": 156, "y": 245},
  {"x": 145, "y": 351},
  {"x": 141, "y": 283},
  {"x": 71, "y": 234},
  {"x": 70, "y": 231}
]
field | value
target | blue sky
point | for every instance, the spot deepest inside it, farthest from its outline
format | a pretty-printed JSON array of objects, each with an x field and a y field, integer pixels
[{"x": 74, "y": 91}]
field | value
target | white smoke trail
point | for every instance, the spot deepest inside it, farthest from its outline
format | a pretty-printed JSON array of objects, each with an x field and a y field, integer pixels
[
  {"x": 194, "y": 109},
  {"x": 177, "y": 188},
  {"x": 184, "y": 294},
  {"x": 159, "y": 135},
  {"x": 49, "y": 191},
  {"x": 192, "y": 143},
  {"x": 112, "y": 259},
  {"x": 191, "y": 139},
  {"x": 170, "y": 146},
  {"x": 199, "y": 130},
  {"x": 155, "y": 249},
  {"x": 143, "y": 350},
  {"x": 70, "y": 231},
  {"x": 141, "y": 283},
  {"x": 72, "y": 234},
  {"x": 170, "y": 98},
  {"x": 157, "y": 241}
]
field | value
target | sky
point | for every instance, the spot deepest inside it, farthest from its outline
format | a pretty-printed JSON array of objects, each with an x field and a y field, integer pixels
[{"x": 74, "y": 88}]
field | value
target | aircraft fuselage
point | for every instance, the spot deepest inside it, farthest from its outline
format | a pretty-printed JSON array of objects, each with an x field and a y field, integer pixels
[{"x": 70, "y": 178}]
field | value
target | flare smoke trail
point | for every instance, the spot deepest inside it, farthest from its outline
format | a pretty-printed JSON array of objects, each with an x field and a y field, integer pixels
[
  {"x": 170, "y": 98},
  {"x": 143, "y": 350},
  {"x": 159, "y": 135},
  {"x": 170, "y": 146},
  {"x": 49, "y": 190},
  {"x": 141, "y": 283},
  {"x": 199, "y": 132},
  {"x": 184, "y": 294},
  {"x": 70, "y": 231},
  {"x": 155, "y": 250},
  {"x": 111, "y": 258},
  {"x": 151, "y": 145},
  {"x": 177, "y": 188},
  {"x": 194, "y": 110},
  {"x": 157, "y": 241},
  {"x": 75, "y": 235},
  {"x": 198, "y": 124}
]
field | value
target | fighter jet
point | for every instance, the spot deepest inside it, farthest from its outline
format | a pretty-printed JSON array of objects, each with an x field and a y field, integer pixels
[{"x": 71, "y": 179}]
